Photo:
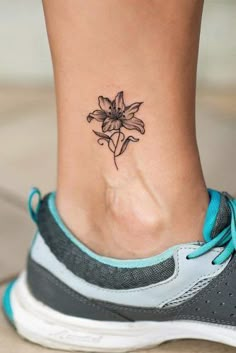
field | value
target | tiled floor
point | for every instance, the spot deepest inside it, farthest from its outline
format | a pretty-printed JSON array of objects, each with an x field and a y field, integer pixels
[{"x": 28, "y": 155}]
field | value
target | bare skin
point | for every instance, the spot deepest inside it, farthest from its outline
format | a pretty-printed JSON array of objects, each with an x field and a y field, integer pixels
[{"x": 147, "y": 49}]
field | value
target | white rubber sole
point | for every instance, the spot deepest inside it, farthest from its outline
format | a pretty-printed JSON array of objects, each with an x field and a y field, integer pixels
[{"x": 40, "y": 324}]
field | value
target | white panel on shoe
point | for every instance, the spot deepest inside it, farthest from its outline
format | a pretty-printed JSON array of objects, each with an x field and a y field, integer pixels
[{"x": 187, "y": 274}]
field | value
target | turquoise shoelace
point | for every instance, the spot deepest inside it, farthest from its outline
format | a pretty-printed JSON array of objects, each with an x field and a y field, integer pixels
[{"x": 226, "y": 238}]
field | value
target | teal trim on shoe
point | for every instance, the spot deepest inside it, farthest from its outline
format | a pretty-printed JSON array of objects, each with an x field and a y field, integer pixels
[
  {"x": 150, "y": 261},
  {"x": 33, "y": 211},
  {"x": 211, "y": 215},
  {"x": 6, "y": 302}
]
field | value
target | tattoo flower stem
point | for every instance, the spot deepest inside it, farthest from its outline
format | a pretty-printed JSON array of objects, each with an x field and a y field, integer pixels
[
  {"x": 115, "y": 115},
  {"x": 115, "y": 152}
]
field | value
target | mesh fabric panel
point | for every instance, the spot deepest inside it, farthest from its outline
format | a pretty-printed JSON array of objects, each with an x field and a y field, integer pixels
[{"x": 188, "y": 294}]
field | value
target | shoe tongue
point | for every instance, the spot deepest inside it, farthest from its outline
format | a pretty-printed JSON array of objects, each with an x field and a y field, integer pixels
[{"x": 218, "y": 215}]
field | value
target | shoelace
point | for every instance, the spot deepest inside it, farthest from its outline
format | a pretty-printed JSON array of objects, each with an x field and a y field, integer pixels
[{"x": 226, "y": 238}]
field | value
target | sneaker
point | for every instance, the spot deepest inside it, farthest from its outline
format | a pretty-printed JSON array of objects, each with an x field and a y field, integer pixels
[{"x": 71, "y": 298}]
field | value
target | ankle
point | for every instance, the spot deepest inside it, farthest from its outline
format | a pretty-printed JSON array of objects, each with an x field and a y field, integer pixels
[
  {"x": 118, "y": 221},
  {"x": 129, "y": 221}
]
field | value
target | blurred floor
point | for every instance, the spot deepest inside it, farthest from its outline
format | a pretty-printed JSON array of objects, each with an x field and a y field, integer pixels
[{"x": 28, "y": 157}]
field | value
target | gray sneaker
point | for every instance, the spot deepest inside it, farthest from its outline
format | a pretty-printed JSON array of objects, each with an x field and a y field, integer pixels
[{"x": 73, "y": 299}]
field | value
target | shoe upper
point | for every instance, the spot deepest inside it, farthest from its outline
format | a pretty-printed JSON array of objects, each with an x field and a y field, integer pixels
[{"x": 193, "y": 281}]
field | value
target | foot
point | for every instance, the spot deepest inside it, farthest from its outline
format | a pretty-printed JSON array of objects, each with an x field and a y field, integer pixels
[{"x": 71, "y": 298}]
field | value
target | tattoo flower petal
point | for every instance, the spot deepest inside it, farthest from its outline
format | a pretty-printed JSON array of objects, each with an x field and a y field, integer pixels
[
  {"x": 98, "y": 115},
  {"x": 134, "y": 124},
  {"x": 115, "y": 115},
  {"x": 132, "y": 109},
  {"x": 104, "y": 104},
  {"x": 119, "y": 102},
  {"x": 110, "y": 125}
]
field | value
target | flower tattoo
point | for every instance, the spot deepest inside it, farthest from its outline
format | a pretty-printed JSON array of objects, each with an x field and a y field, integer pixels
[{"x": 115, "y": 115}]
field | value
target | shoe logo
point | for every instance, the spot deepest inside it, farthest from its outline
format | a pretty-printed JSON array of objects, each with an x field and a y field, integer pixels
[{"x": 76, "y": 337}]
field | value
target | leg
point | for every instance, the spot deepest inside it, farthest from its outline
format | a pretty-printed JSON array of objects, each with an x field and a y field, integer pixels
[
  {"x": 148, "y": 49},
  {"x": 72, "y": 298}
]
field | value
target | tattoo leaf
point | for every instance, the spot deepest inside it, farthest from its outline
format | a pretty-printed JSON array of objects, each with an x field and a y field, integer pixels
[
  {"x": 102, "y": 135},
  {"x": 107, "y": 138},
  {"x": 126, "y": 142}
]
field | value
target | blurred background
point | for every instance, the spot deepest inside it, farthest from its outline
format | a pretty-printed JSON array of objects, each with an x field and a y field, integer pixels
[{"x": 28, "y": 121}]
